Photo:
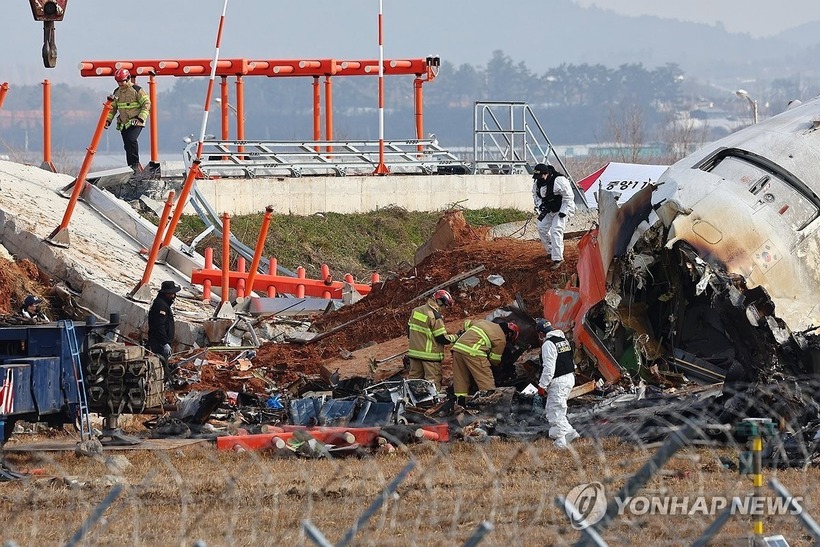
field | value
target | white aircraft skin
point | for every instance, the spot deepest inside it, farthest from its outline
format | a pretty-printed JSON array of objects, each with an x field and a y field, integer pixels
[
  {"x": 749, "y": 203},
  {"x": 718, "y": 264}
]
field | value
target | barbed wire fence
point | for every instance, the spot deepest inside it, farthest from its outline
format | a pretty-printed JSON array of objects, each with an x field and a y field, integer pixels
[{"x": 669, "y": 470}]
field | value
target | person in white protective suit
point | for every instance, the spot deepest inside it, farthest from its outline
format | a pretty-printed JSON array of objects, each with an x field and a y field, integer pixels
[
  {"x": 554, "y": 204},
  {"x": 557, "y": 380}
]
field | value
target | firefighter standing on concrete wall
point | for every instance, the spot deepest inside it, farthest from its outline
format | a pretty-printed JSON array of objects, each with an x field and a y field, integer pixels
[
  {"x": 131, "y": 106},
  {"x": 557, "y": 380},
  {"x": 475, "y": 351},
  {"x": 554, "y": 204},
  {"x": 427, "y": 337}
]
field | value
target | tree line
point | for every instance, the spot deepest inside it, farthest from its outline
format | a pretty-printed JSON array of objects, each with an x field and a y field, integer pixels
[{"x": 575, "y": 104}]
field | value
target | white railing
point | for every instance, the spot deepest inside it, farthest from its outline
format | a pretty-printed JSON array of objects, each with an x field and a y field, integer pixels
[{"x": 292, "y": 158}]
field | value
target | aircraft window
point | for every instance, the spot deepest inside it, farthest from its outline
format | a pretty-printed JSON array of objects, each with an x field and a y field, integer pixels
[{"x": 770, "y": 189}]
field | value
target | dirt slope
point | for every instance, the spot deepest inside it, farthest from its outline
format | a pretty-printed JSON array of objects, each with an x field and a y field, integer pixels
[{"x": 18, "y": 279}]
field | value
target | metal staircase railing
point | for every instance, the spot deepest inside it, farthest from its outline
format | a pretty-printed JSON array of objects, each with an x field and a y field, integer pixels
[
  {"x": 509, "y": 139},
  {"x": 291, "y": 158}
]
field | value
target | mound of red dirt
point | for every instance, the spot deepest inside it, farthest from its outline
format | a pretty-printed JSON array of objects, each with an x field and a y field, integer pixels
[
  {"x": 382, "y": 315},
  {"x": 18, "y": 279}
]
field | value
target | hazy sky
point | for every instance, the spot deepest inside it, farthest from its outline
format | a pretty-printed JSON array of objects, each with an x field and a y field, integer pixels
[
  {"x": 756, "y": 17},
  {"x": 460, "y": 31}
]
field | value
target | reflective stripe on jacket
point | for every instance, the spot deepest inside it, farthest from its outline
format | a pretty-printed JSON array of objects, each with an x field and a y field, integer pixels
[
  {"x": 482, "y": 338},
  {"x": 424, "y": 326},
  {"x": 129, "y": 103}
]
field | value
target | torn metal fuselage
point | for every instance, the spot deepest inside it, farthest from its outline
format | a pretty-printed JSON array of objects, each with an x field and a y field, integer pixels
[{"x": 714, "y": 272}]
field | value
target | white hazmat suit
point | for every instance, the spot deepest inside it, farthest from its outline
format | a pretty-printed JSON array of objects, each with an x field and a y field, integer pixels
[
  {"x": 551, "y": 224},
  {"x": 557, "y": 388}
]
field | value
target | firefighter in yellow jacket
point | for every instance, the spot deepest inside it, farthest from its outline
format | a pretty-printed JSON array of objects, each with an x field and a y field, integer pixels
[
  {"x": 475, "y": 351},
  {"x": 131, "y": 106},
  {"x": 427, "y": 337}
]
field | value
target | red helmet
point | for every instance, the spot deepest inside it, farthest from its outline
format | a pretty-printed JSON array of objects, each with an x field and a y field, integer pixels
[
  {"x": 512, "y": 332},
  {"x": 122, "y": 74},
  {"x": 443, "y": 297}
]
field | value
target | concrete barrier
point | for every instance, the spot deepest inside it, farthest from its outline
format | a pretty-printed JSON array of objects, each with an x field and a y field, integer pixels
[{"x": 357, "y": 194}]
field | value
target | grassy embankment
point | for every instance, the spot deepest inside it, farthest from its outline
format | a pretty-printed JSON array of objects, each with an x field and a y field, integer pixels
[{"x": 383, "y": 241}]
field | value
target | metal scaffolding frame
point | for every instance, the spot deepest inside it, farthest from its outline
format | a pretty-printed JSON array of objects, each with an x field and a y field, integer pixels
[{"x": 249, "y": 159}]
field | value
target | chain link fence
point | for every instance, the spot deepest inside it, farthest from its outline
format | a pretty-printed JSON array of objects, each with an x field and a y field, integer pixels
[{"x": 666, "y": 468}]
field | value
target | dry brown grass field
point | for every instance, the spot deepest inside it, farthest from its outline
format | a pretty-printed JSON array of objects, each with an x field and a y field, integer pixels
[{"x": 180, "y": 496}]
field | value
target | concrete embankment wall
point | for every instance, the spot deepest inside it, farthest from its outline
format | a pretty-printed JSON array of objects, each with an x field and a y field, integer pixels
[{"x": 357, "y": 194}]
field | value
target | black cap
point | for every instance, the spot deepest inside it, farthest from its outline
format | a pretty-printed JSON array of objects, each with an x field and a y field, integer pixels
[
  {"x": 543, "y": 326},
  {"x": 169, "y": 287},
  {"x": 540, "y": 169},
  {"x": 31, "y": 300}
]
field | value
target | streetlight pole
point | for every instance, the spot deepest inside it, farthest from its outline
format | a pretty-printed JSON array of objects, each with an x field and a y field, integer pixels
[
  {"x": 240, "y": 120},
  {"x": 744, "y": 95},
  {"x": 233, "y": 109}
]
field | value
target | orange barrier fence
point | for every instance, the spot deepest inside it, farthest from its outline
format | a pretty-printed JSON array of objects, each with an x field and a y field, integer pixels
[{"x": 299, "y": 286}]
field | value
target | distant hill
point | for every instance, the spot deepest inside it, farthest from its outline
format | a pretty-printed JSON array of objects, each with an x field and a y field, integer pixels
[
  {"x": 805, "y": 36},
  {"x": 593, "y": 35},
  {"x": 540, "y": 33}
]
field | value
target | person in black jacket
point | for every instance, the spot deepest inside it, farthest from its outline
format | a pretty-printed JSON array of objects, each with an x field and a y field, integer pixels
[{"x": 161, "y": 324}]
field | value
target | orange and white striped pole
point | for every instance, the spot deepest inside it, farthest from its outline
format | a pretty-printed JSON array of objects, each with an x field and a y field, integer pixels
[
  {"x": 381, "y": 169},
  {"x": 189, "y": 179}
]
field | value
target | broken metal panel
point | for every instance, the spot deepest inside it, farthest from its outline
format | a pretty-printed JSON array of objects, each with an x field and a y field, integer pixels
[
  {"x": 304, "y": 411},
  {"x": 618, "y": 225},
  {"x": 749, "y": 204},
  {"x": 590, "y": 339},
  {"x": 567, "y": 308},
  {"x": 292, "y": 306},
  {"x": 561, "y": 307},
  {"x": 373, "y": 413},
  {"x": 713, "y": 272},
  {"x": 336, "y": 412}
]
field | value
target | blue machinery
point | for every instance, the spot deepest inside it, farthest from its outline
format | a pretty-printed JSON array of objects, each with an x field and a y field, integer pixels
[{"x": 42, "y": 375}]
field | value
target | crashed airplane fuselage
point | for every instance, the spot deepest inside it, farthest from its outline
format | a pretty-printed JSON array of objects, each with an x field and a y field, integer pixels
[{"x": 715, "y": 271}]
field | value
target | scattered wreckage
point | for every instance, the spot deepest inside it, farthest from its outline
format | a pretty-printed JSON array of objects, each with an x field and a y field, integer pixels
[
  {"x": 694, "y": 302},
  {"x": 332, "y": 417},
  {"x": 712, "y": 275}
]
